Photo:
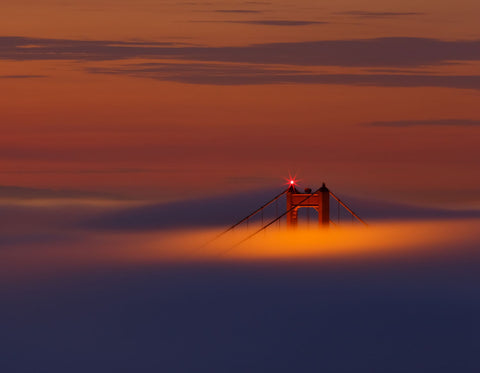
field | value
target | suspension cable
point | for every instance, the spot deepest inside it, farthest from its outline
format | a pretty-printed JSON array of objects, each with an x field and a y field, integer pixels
[
  {"x": 348, "y": 209},
  {"x": 247, "y": 217},
  {"x": 276, "y": 211},
  {"x": 338, "y": 212},
  {"x": 269, "y": 224}
]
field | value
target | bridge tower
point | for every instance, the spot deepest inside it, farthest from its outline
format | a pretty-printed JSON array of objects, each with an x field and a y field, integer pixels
[{"x": 319, "y": 200}]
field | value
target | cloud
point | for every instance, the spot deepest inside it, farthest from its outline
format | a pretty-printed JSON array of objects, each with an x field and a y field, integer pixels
[
  {"x": 180, "y": 214},
  {"x": 267, "y": 22},
  {"x": 379, "y": 52},
  {"x": 126, "y": 315},
  {"x": 102, "y": 171},
  {"x": 430, "y": 122},
  {"x": 22, "y": 76},
  {"x": 238, "y": 11},
  {"x": 366, "y": 14},
  {"x": 203, "y": 73},
  {"x": 226, "y": 210},
  {"x": 29, "y": 49},
  {"x": 399, "y": 71},
  {"x": 12, "y": 240},
  {"x": 18, "y": 192},
  {"x": 223, "y": 74},
  {"x": 254, "y": 64}
]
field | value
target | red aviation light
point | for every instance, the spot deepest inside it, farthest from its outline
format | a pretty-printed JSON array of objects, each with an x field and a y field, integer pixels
[{"x": 292, "y": 181}]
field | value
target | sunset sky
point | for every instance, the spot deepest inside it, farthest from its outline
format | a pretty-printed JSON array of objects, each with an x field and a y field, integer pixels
[
  {"x": 132, "y": 132},
  {"x": 167, "y": 100}
]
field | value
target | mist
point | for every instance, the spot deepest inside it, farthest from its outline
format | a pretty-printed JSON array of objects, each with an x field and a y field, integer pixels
[{"x": 400, "y": 295}]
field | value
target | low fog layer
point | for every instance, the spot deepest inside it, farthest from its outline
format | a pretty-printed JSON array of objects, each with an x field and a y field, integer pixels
[{"x": 398, "y": 296}]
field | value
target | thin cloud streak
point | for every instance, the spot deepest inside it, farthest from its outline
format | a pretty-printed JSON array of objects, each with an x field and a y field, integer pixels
[
  {"x": 272, "y": 22},
  {"x": 239, "y": 11},
  {"x": 22, "y": 76},
  {"x": 431, "y": 122},
  {"x": 379, "y": 52},
  {"x": 24, "y": 193},
  {"x": 366, "y": 14},
  {"x": 216, "y": 74}
]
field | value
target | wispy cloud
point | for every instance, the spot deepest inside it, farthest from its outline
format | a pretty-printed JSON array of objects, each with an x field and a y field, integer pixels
[
  {"x": 30, "y": 49},
  {"x": 226, "y": 74},
  {"x": 238, "y": 11},
  {"x": 257, "y": 63},
  {"x": 227, "y": 209},
  {"x": 203, "y": 73},
  {"x": 19, "y": 192},
  {"x": 21, "y": 76},
  {"x": 399, "y": 71},
  {"x": 272, "y": 22},
  {"x": 379, "y": 52},
  {"x": 78, "y": 172},
  {"x": 429, "y": 122},
  {"x": 367, "y": 14}
]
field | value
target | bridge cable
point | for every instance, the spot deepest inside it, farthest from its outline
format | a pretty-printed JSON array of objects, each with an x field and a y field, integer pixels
[
  {"x": 276, "y": 211},
  {"x": 269, "y": 224},
  {"x": 247, "y": 217},
  {"x": 338, "y": 212},
  {"x": 348, "y": 209}
]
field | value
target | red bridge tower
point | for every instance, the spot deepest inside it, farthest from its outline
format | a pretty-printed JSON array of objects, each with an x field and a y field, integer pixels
[{"x": 319, "y": 200}]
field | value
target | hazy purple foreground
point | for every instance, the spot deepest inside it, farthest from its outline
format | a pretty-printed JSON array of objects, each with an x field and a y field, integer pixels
[{"x": 62, "y": 313}]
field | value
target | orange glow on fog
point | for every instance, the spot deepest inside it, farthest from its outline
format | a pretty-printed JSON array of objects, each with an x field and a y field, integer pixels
[
  {"x": 426, "y": 240},
  {"x": 383, "y": 240}
]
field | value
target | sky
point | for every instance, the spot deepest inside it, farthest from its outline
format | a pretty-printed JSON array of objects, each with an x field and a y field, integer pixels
[
  {"x": 132, "y": 132},
  {"x": 172, "y": 100}
]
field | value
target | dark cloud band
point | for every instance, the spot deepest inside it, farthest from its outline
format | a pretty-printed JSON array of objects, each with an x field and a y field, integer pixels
[
  {"x": 429, "y": 122},
  {"x": 21, "y": 76},
  {"x": 380, "y": 52},
  {"x": 367, "y": 14},
  {"x": 274, "y": 22},
  {"x": 225, "y": 74}
]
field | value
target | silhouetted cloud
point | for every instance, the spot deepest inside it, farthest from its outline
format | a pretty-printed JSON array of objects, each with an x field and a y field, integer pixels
[
  {"x": 430, "y": 122},
  {"x": 203, "y": 73},
  {"x": 400, "y": 71},
  {"x": 226, "y": 210},
  {"x": 366, "y": 14},
  {"x": 132, "y": 170},
  {"x": 21, "y": 76},
  {"x": 380, "y": 52},
  {"x": 27, "y": 49},
  {"x": 25, "y": 193},
  {"x": 241, "y": 11},
  {"x": 12, "y": 240},
  {"x": 268, "y": 22},
  {"x": 222, "y": 74},
  {"x": 254, "y": 64}
]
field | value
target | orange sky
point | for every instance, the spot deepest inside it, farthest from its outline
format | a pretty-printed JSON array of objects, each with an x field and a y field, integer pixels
[{"x": 205, "y": 109}]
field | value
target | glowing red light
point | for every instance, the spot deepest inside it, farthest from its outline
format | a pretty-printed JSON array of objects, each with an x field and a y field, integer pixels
[{"x": 291, "y": 181}]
